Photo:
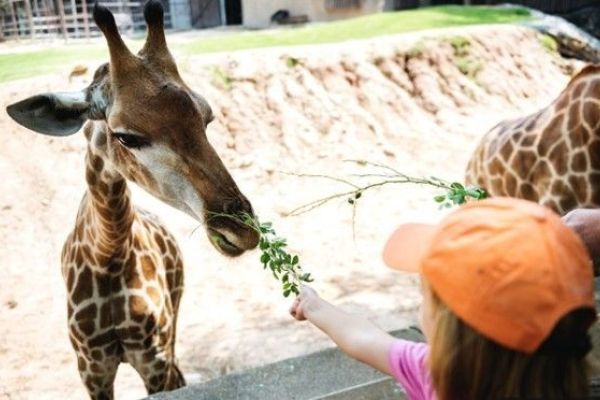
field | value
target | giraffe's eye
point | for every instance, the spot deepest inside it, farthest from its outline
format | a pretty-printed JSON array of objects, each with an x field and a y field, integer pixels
[{"x": 132, "y": 141}]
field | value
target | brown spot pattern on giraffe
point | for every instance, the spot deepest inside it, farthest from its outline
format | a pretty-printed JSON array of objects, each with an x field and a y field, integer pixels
[
  {"x": 148, "y": 268},
  {"x": 523, "y": 163},
  {"x": 579, "y": 162},
  {"x": 564, "y": 169},
  {"x": 551, "y": 136}
]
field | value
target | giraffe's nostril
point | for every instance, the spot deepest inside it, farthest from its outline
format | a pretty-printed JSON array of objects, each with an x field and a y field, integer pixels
[
  {"x": 237, "y": 206},
  {"x": 229, "y": 207}
]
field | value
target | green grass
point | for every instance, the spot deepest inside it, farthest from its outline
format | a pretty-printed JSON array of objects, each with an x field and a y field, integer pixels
[
  {"x": 362, "y": 28},
  {"x": 32, "y": 63},
  {"x": 28, "y": 64}
]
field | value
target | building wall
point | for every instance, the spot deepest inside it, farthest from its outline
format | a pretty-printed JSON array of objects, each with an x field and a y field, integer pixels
[{"x": 257, "y": 13}]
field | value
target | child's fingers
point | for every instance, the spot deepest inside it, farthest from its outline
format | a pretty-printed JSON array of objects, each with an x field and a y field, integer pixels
[
  {"x": 296, "y": 310},
  {"x": 294, "y": 306}
]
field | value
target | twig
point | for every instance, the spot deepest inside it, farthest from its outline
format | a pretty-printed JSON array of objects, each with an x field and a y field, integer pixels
[{"x": 355, "y": 194}]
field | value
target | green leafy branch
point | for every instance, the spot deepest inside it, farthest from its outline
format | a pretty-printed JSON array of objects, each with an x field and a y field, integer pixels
[
  {"x": 284, "y": 266},
  {"x": 455, "y": 192}
]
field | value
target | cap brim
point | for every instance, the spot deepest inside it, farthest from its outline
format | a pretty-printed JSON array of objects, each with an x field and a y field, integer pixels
[{"x": 407, "y": 246}]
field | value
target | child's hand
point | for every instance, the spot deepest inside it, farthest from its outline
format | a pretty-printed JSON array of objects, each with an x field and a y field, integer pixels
[{"x": 306, "y": 300}]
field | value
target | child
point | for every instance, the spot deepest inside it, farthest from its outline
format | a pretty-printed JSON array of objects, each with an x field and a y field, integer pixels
[{"x": 507, "y": 302}]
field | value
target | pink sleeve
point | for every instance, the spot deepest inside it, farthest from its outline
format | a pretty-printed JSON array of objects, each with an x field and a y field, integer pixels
[{"x": 408, "y": 365}]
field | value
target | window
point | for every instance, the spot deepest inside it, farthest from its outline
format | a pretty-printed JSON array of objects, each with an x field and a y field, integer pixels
[{"x": 342, "y": 4}]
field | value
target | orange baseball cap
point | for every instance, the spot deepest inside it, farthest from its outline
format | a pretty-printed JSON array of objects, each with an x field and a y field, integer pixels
[{"x": 509, "y": 268}]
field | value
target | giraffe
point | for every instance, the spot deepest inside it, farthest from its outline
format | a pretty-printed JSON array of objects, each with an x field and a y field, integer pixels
[
  {"x": 122, "y": 269},
  {"x": 551, "y": 156}
]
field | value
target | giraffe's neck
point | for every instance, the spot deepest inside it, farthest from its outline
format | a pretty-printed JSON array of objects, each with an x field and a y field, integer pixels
[{"x": 106, "y": 214}]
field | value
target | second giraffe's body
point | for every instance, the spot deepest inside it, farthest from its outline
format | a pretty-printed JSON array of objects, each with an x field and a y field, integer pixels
[
  {"x": 124, "y": 277},
  {"x": 552, "y": 156}
]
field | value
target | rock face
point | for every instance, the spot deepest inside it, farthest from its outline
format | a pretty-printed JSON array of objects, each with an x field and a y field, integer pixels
[
  {"x": 372, "y": 92},
  {"x": 572, "y": 41}
]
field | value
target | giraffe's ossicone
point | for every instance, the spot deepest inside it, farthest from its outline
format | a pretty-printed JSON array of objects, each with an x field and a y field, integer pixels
[
  {"x": 552, "y": 156},
  {"x": 122, "y": 269}
]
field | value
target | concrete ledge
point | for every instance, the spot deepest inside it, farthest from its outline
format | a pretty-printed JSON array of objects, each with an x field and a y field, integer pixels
[
  {"x": 326, "y": 374},
  {"x": 384, "y": 388}
]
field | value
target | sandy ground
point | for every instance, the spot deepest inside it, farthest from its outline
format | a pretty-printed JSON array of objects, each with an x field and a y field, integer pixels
[{"x": 398, "y": 100}]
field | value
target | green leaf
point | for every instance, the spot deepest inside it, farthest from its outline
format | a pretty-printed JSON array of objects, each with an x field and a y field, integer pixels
[
  {"x": 286, "y": 293},
  {"x": 457, "y": 185},
  {"x": 295, "y": 260},
  {"x": 265, "y": 258},
  {"x": 305, "y": 277},
  {"x": 459, "y": 198},
  {"x": 263, "y": 244},
  {"x": 439, "y": 199}
]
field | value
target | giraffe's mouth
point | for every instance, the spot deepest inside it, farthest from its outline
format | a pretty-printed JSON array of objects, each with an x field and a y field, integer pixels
[{"x": 222, "y": 244}]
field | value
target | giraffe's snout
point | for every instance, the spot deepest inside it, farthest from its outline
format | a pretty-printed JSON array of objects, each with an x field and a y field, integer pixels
[{"x": 229, "y": 231}]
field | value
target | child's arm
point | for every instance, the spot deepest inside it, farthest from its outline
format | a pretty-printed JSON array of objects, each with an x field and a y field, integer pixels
[{"x": 355, "y": 336}]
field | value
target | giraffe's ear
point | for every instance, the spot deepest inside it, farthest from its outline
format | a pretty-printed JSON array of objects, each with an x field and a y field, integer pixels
[{"x": 55, "y": 114}]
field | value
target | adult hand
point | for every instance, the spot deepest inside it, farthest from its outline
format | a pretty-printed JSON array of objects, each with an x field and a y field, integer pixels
[{"x": 586, "y": 222}]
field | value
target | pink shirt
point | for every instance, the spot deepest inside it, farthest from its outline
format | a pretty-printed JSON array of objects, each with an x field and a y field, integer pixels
[{"x": 407, "y": 363}]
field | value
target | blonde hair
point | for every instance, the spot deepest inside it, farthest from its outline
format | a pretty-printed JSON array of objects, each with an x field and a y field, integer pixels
[{"x": 465, "y": 365}]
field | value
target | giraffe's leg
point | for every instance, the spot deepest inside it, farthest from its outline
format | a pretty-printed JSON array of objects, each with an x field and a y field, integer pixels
[
  {"x": 159, "y": 372},
  {"x": 98, "y": 374}
]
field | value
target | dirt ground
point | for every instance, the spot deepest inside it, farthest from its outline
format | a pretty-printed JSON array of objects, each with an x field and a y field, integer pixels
[{"x": 399, "y": 100}]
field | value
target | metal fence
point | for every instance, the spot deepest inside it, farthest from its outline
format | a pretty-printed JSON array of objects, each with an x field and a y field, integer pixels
[{"x": 38, "y": 19}]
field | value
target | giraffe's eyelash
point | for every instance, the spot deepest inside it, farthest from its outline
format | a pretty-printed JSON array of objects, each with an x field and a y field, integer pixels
[{"x": 131, "y": 141}]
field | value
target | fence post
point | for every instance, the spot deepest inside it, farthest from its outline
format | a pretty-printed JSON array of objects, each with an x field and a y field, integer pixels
[
  {"x": 14, "y": 19},
  {"x": 86, "y": 22},
  {"x": 61, "y": 12},
  {"x": 29, "y": 18},
  {"x": 75, "y": 20}
]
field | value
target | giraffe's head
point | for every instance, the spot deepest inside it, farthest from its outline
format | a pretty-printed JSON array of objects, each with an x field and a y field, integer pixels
[{"x": 150, "y": 127}]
